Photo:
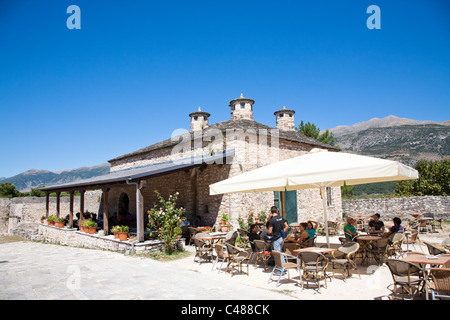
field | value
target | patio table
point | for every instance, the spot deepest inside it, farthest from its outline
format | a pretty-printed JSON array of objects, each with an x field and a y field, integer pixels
[
  {"x": 364, "y": 242},
  {"x": 315, "y": 249},
  {"x": 425, "y": 260}
]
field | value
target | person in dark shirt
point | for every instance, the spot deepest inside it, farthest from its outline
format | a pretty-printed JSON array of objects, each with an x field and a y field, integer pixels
[
  {"x": 276, "y": 225},
  {"x": 396, "y": 228},
  {"x": 376, "y": 224},
  {"x": 254, "y": 235}
]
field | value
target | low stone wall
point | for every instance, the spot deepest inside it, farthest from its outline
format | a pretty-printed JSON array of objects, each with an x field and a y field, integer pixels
[
  {"x": 395, "y": 207},
  {"x": 16, "y": 211},
  {"x": 75, "y": 238}
]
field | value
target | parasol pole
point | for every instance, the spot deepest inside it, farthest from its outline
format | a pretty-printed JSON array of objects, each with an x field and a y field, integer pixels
[{"x": 323, "y": 190}]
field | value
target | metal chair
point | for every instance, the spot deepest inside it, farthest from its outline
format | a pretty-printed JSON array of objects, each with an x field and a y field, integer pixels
[
  {"x": 221, "y": 255},
  {"x": 395, "y": 244},
  {"x": 192, "y": 232},
  {"x": 379, "y": 249},
  {"x": 262, "y": 252},
  {"x": 282, "y": 267},
  {"x": 236, "y": 258},
  {"x": 440, "y": 286},
  {"x": 343, "y": 256},
  {"x": 230, "y": 237},
  {"x": 244, "y": 235},
  {"x": 434, "y": 250},
  {"x": 313, "y": 267},
  {"x": 407, "y": 275},
  {"x": 202, "y": 250},
  {"x": 310, "y": 242},
  {"x": 288, "y": 248}
]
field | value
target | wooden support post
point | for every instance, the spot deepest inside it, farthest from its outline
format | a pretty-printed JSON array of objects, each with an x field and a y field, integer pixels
[
  {"x": 47, "y": 200},
  {"x": 283, "y": 207},
  {"x": 82, "y": 204},
  {"x": 105, "y": 210},
  {"x": 140, "y": 213},
  {"x": 58, "y": 204},
  {"x": 71, "y": 209}
]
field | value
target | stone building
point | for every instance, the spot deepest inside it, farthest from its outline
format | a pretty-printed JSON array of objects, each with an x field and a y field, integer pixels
[{"x": 189, "y": 162}]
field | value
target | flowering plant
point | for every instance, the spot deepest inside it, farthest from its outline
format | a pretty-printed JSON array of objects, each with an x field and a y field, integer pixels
[
  {"x": 166, "y": 218},
  {"x": 224, "y": 220}
]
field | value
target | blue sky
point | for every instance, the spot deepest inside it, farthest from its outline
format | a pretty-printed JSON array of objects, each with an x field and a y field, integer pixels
[{"x": 136, "y": 69}]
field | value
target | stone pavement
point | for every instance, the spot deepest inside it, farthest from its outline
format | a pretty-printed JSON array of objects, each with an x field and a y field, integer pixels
[{"x": 36, "y": 271}]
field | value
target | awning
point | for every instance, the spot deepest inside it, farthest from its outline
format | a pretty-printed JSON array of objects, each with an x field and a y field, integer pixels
[{"x": 143, "y": 172}]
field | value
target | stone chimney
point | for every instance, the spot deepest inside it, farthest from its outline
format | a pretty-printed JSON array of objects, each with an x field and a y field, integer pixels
[
  {"x": 199, "y": 120},
  {"x": 285, "y": 119},
  {"x": 242, "y": 108}
]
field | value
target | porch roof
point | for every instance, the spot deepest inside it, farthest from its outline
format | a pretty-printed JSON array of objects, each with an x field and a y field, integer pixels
[{"x": 155, "y": 169}]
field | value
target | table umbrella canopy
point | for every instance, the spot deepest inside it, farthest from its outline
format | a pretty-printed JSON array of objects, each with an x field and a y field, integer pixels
[{"x": 316, "y": 169}]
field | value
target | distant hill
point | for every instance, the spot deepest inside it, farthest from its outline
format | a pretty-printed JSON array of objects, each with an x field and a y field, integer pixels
[
  {"x": 394, "y": 138},
  {"x": 34, "y": 178},
  {"x": 389, "y": 121}
]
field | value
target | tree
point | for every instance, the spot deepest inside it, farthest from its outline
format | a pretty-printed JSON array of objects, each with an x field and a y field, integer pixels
[
  {"x": 311, "y": 130},
  {"x": 434, "y": 180},
  {"x": 8, "y": 190},
  {"x": 308, "y": 129}
]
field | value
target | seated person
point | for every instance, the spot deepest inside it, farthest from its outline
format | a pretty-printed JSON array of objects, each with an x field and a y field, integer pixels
[
  {"x": 311, "y": 229},
  {"x": 396, "y": 228},
  {"x": 254, "y": 235},
  {"x": 301, "y": 235},
  {"x": 350, "y": 229},
  {"x": 376, "y": 224}
]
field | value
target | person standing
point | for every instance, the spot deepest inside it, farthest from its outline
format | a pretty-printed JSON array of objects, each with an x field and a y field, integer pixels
[{"x": 276, "y": 226}]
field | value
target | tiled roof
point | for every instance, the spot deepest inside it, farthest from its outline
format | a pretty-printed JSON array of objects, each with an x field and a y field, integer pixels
[{"x": 244, "y": 124}]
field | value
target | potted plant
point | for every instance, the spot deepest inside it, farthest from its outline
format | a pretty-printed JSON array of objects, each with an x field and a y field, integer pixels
[
  {"x": 115, "y": 231},
  {"x": 224, "y": 223},
  {"x": 81, "y": 224},
  {"x": 59, "y": 223},
  {"x": 43, "y": 218},
  {"x": 123, "y": 233},
  {"x": 178, "y": 232},
  {"x": 51, "y": 220},
  {"x": 90, "y": 226}
]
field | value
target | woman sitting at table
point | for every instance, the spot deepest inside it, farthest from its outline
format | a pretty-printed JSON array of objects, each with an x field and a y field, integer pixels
[
  {"x": 350, "y": 229},
  {"x": 311, "y": 229},
  {"x": 301, "y": 235}
]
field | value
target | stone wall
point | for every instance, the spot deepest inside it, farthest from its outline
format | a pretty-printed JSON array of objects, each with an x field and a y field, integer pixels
[
  {"x": 30, "y": 209},
  {"x": 392, "y": 207},
  {"x": 75, "y": 238}
]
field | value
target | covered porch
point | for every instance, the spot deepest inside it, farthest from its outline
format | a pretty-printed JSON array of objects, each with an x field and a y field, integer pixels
[{"x": 133, "y": 188}]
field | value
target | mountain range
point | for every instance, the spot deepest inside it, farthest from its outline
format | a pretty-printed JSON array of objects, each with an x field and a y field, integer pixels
[
  {"x": 395, "y": 138},
  {"x": 34, "y": 178}
]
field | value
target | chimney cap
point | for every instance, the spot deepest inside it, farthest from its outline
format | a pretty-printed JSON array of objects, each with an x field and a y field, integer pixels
[
  {"x": 241, "y": 99},
  {"x": 199, "y": 113},
  {"x": 284, "y": 110}
]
